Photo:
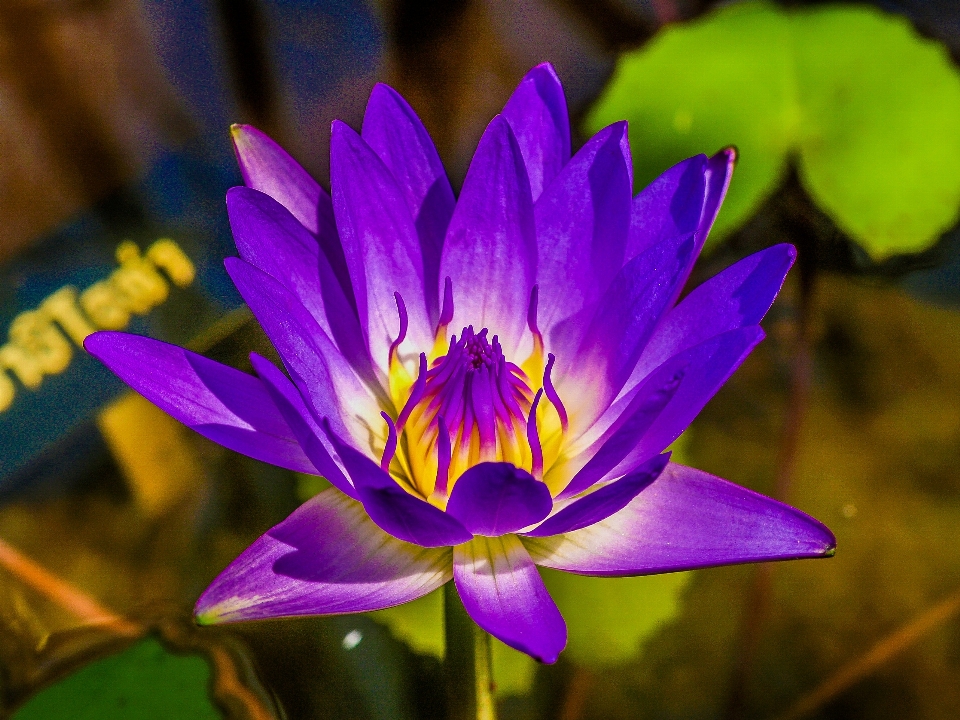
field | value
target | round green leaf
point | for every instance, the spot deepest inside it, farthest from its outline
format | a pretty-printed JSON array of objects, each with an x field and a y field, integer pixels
[
  {"x": 145, "y": 682},
  {"x": 870, "y": 109},
  {"x": 880, "y": 147}
]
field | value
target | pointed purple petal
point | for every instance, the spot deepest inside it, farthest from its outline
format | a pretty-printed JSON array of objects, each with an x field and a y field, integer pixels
[
  {"x": 496, "y": 498},
  {"x": 395, "y": 510},
  {"x": 671, "y": 205},
  {"x": 582, "y": 222},
  {"x": 326, "y": 558},
  {"x": 311, "y": 438},
  {"x": 623, "y": 322},
  {"x": 394, "y": 132},
  {"x": 602, "y": 503},
  {"x": 736, "y": 297},
  {"x": 321, "y": 373},
  {"x": 719, "y": 170},
  {"x": 270, "y": 238},
  {"x": 686, "y": 519},
  {"x": 503, "y": 593},
  {"x": 222, "y": 404},
  {"x": 490, "y": 252},
  {"x": 267, "y": 167},
  {"x": 707, "y": 368},
  {"x": 537, "y": 113},
  {"x": 623, "y": 435},
  {"x": 380, "y": 242}
]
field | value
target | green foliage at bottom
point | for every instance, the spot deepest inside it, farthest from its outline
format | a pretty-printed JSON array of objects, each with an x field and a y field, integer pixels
[{"x": 144, "y": 682}]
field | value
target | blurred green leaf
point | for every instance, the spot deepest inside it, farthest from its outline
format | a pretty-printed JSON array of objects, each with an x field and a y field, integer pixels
[
  {"x": 870, "y": 109},
  {"x": 143, "y": 682},
  {"x": 607, "y": 620}
]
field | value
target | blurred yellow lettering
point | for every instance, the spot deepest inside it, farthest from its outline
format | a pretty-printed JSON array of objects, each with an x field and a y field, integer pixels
[
  {"x": 35, "y": 332},
  {"x": 168, "y": 256},
  {"x": 40, "y": 339}
]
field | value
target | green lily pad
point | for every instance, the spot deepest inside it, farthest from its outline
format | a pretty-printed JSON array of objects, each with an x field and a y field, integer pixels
[
  {"x": 869, "y": 109},
  {"x": 145, "y": 682}
]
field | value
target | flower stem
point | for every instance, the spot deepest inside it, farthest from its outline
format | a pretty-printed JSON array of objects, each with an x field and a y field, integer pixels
[{"x": 467, "y": 666}]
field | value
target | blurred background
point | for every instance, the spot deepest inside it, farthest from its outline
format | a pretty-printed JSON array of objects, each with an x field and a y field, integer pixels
[{"x": 114, "y": 162}]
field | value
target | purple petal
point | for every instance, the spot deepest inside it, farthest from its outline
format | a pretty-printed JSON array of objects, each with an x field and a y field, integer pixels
[
  {"x": 311, "y": 438},
  {"x": 602, "y": 503},
  {"x": 222, "y": 404},
  {"x": 267, "y": 167},
  {"x": 496, "y": 498},
  {"x": 392, "y": 129},
  {"x": 380, "y": 242},
  {"x": 394, "y": 509},
  {"x": 625, "y": 433},
  {"x": 503, "y": 593},
  {"x": 736, "y": 297},
  {"x": 537, "y": 113},
  {"x": 490, "y": 252},
  {"x": 719, "y": 170},
  {"x": 326, "y": 558},
  {"x": 707, "y": 368},
  {"x": 270, "y": 238},
  {"x": 671, "y": 205},
  {"x": 686, "y": 519},
  {"x": 321, "y": 373},
  {"x": 582, "y": 222},
  {"x": 623, "y": 322}
]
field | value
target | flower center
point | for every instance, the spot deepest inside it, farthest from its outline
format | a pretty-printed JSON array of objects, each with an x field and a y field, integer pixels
[{"x": 470, "y": 405}]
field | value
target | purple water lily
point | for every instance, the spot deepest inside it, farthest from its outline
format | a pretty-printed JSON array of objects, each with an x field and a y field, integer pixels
[{"x": 489, "y": 382}]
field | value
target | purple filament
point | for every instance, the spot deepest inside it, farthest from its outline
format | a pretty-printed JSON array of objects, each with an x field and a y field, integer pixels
[
  {"x": 404, "y": 321},
  {"x": 533, "y": 438},
  {"x": 443, "y": 457},
  {"x": 446, "y": 311},
  {"x": 552, "y": 393},
  {"x": 391, "y": 447},
  {"x": 416, "y": 394},
  {"x": 532, "y": 313}
]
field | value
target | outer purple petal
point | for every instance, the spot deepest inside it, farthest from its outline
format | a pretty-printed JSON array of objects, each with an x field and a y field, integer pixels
[
  {"x": 503, "y": 593},
  {"x": 669, "y": 206},
  {"x": 321, "y": 373},
  {"x": 537, "y": 113},
  {"x": 496, "y": 498},
  {"x": 718, "y": 173},
  {"x": 708, "y": 366},
  {"x": 686, "y": 519},
  {"x": 736, "y": 297},
  {"x": 395, "y": 510},
  {"x": 622, "y": 438},
  {"x": 602, "y": 503},
  {"x": 222, "y": 404},
  {"x": 270, "y": 238},
  {"x": 326, "y": 558},
  {"x": 623, "y": 322},
  {"x": 490, "y": 252},
  {"x": 309, "y": 435},
  {"x": 582, "y": 221},
  {"x": 267, "y": 167},
  {"x": 394, "y": 132}
]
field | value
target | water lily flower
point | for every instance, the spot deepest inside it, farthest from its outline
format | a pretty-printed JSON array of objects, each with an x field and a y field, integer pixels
[{"x": 489, "y": 381}]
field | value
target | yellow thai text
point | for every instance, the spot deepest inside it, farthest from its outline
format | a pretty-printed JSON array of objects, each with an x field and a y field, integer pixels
[{"x": 41, "y": 341}]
